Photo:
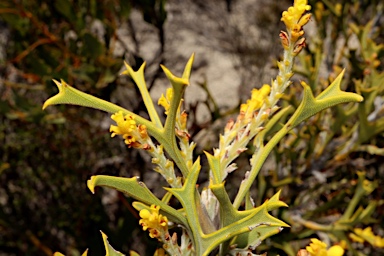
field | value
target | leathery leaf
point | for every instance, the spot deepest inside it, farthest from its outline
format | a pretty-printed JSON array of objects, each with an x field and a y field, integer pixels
[{"x": 137, "y": 190}]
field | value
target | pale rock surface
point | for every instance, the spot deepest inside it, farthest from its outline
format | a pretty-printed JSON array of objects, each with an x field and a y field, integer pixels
[{"x": 234, "y": 51}]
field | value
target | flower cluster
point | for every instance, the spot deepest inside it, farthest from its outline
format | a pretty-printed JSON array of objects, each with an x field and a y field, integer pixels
[
  {"x": 165, "y": 101},
  {"x": 319, "y": 248},
  {"x": 256, "y": 111},
  {"x": 362, "y": 235},
  {"x": 258, "y": 98},
  {"x": 134, "y": 135},
  {"x": 154, "y": 222},
  {"x": 294, "y": 15},
  {"x": 294, "y": 19}
]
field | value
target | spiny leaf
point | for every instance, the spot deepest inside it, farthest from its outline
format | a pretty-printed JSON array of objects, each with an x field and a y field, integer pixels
[
  {"x": 69, "y": 95},
  {"x": 138, "y": 77},
  {"x": 330, "y": 97},
  {"x": 137, "y": 190}
]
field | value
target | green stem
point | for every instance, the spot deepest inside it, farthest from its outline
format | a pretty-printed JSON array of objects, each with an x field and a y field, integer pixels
[
  {"x": 359, "y": 193},
  {"x": 257, "y": 162}
]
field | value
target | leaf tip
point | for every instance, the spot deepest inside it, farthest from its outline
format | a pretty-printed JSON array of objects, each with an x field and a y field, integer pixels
[
  {"x": 359, "y": 98},
  {"x": 304, "y": 84},
  {"x": 191, "y": 59},
  {"x": 188, "y": 67},
  {"x": 49, "y": 101},
  {"x": 103, "y": 235},
  {"x": 142, "y": 67},
  {"x": 173, "y": 78},
  {"x": 91, "y": 184},
  {"x": 56, "y": 98},
  {"x": 58, "y": 84},
  {"x": 129, "y": 70},
  {"x": 45, "y": 105}
]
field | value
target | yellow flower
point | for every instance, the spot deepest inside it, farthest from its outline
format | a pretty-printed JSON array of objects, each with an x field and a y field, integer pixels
[
  {"x": 294, "y": 19},
  {"x": 257, "y": 99},
  {"x": 125, "y": 124},
  {"x": 133, "y": 135},
  {"x": 166, "y": 101},
  {"x": 362, "y": 235},
  {"x": 319, "y": 248},
  {"x": 356, "y": 238},
  {"x": 294, "y": 13},
  {"x": 154, "y": 222},
  {"x": 183, "y": 120}
]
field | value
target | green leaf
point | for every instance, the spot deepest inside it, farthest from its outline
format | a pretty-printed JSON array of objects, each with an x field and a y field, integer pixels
[
  {"x": 137, "y": 190},
  {"x": 236, "y": 222},
  {"x": 263, "y": 224},
  {"x": 109, "y": 251},
  {"x": 138, "y": 77},
  {"x": 165, "y": 136},
  {"x": 69, "y": 95},
  {"x": 187, "y": 197},
  {"x": 179, "y": 85},
  {"x": 330, "y": 97}
]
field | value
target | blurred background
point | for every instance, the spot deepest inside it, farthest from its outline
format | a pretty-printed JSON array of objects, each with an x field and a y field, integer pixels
[{"x": 47, "y": 156}]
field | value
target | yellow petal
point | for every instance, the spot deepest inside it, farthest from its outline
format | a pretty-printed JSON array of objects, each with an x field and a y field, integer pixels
[{"x": 335, "y": 250}]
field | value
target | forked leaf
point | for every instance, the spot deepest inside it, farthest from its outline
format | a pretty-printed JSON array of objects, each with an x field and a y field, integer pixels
[
  {"x": 137, "y": 190},
  {"x": 138, "y": 77},
  {"x": 330, "y": 97},
  {"x": 70, "y": 95},
  {"x": 265, "y": 226},
  {"x": 259, "y": 222},
  {"x": 186, "y": 195},
  {"x": 275, "y": 203}
]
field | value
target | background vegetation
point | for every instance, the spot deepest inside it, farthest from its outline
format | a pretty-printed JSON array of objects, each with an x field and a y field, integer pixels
[{"x": 46, "y": 157}]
